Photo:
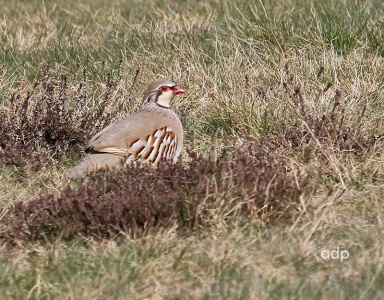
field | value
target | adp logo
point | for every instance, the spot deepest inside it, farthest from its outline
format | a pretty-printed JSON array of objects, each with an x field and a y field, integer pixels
[{"x": 335, "y": 254}]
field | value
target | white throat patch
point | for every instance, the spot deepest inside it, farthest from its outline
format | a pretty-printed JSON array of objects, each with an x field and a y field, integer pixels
[{"x": 164, "y": 99}]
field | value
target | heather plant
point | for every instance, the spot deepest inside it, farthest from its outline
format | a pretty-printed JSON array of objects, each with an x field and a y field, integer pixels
[
  {"x": 337, "y": 128},
  {"x": 249, "y": 184},
  {"x": 49, "y": 118},
  {"x": 334, "y": 137}
]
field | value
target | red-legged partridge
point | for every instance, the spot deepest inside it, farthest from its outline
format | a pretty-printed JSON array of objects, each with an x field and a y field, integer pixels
[{"x": 153, "y": 133}]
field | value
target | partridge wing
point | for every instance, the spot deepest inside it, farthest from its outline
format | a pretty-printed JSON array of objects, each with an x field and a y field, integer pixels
[{"x": 125, "y": 135}]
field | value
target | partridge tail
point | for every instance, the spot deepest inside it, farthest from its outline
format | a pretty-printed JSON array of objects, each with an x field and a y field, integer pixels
[{"x": 93, "y": 162}]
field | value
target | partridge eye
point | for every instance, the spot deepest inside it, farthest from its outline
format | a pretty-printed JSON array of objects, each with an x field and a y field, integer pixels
[{"x": 164, "y": 88}]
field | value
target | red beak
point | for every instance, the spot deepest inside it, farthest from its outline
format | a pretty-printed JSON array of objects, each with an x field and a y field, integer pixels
[{"x": 177, "y": 90}]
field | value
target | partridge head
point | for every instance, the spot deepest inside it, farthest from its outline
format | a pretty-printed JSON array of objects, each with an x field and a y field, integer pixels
[{"x": 151, "y": 134}]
